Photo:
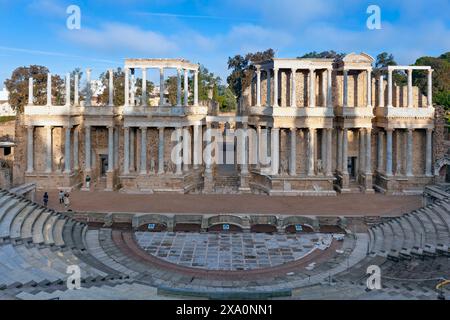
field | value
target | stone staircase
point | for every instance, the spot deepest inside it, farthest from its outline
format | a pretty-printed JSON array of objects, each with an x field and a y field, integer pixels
[{"x": 226, "y": 180}]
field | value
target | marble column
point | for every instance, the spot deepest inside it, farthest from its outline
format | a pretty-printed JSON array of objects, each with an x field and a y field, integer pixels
[
  {"x": 243, "y": 151},
  {"x": 430, "y": 88},
  {"x": 312, "y": 88},
  {"x": 268, "y": 102},
  {"x": 329, "y": 88},
  {"x": 389, "y": 152},
  {"x": 361, "y": 154},
  {"x": 161, "y": 87},
  {"x": 293, "y": 88},
  {"x": 208, "y": 149},
  {"x": 186, "y": 88},
  {"x": 324, "y": 88},
  {"x": 67, "y": 149},
  {"x": 258, "y": 86},
  {"x": 132, "y": 149},
  {"x": 389, "y": 103},
  {"x": 49, "y": 89},
  {"x": 197, "y": 146},
  {"x": 409, "y": 153},
  {"x": 88, "y": 102},
  {"x": 49, "y": 145},
  {"x": 293, "y": 160},
  {"x": 116, "y": 148},
  {"x": 429, "y": 153},
  {"x": 87, "y": 147},
  {"x": 110, "y": 149},
  {"x": 186, "y": 149},
  {"x": 381, "y": 91},
  {"x": 30, "y": 149},
  {"x": 161, "y": 151},
  {"x": 323, "y": 149},
  {"x": 275, "y": 87},
  {"x": 329, "y": 152},
  {"x": 380, "y": 151},
  {"x": 180, "y": 161},
  {"x": 275, "y": 150},
  {"x": 339, "y": 149},
  {"x": 111, "y": 88},
  {"x": 133, "y": 89},
  {"x": 144, "y": 87},
  {"x": 369, "y": 88},
  {"x": 196, "y": 88},
  {"x": 345, "y": 89},
  {"x": 30, "y": 91},
  {"x": 258, "y": 146},
  {"x": 143, "y": 163},
  {"x": 127, "y": 87},
  {"x": 126, "y": 150},
  {"x": 398, "y": 160},
  {"x": 368, "y": 151},
  {"x": 179, "y": 87},
  {"x": 67, "y": 89},
  {"x": 311, "y": 148},
  {"x": 344, "y": 151},
  {"x": 76, "y": 133},
  {"x": 410, "y": 88},
  {"x": 76, "y": 95}
]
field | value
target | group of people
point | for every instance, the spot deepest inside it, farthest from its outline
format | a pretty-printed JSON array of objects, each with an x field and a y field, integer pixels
[{"x": 63, "y": 198}]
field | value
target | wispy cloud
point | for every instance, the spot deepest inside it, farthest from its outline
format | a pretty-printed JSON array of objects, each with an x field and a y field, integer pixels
[{"x": 189, "y": 16}]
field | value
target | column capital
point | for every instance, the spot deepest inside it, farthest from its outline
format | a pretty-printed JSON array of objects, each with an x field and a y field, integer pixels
[
  {"x": 258, "y": 69},
  {"x": 143, "y": 128},
  {"x": 312, "y": 69},
  {"x": 430, "y": 130}
]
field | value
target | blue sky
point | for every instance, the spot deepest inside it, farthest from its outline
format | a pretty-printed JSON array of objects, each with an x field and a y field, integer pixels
[{"x": 208, "y": 32}]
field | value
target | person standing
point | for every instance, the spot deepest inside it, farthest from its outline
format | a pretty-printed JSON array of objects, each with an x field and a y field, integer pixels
[
  {"x": 45, "y": 200},
  {"x": 66, "y": 201},
  {"x": 88, "y": 181},
  {"x": 61, "y": 196}
]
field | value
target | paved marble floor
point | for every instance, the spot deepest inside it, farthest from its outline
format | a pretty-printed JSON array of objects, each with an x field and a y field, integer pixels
[{"x": 230, "y": 251}]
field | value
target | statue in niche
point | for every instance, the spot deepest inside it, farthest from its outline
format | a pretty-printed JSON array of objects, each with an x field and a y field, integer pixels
[
  {"x": 284, "y": 166},
  {"x": 152, "y": 165},
  {"x": 61, "y": 164},
  {"x": 319, "y": 166},
  {"x": 170, "y": 167}
]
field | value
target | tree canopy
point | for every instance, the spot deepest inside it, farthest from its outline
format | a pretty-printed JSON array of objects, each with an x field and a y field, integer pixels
[{"x": 324, "y": 55}]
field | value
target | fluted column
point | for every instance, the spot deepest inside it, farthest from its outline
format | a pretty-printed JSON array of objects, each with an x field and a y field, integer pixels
[
  {"x": 161, "y": 87},
  {"x": 144, "y": 87},
  {"x": 132, "y": 149},
  {"x": 196, "y": 88},
  {"x": 368, "y": 151},
  {"x": 179, "y": 87},
  {"x": 329, "y": 88},
  {"x": 361, "y": 154},
  {"x": 67, "y": 149},
  {"x": 344, "y": 151},
  {"x": 312, "y": 88},
  {"x": 275, "y": 152},
  {"x": 110, "y": 149},
  {"x": 161, "y": 151},
  {"x": 258, "y": 146},
  {"x": 410, "y": 89},
  {"x": 143, "y": 164},
  {"x": 429, "y": 153},
  {"x": 409, "y": 153},
  {"x": 244, "y": 149},
  {"x": 398, "y": 167},
  {"x": 186, "y": 88},
  {"x": 76, "y": 133},
  {"x": 127, "y": 87},
  {"x": 389, "y": 152},
  {"x": 339, "y": 149},
  {"x": 380, "y": 151},
  {"x": 67, "y": 89},
  {"x": 369, "y": 88},
  {"x": 49, "y": 142},
  {"x": 389, "y": 89},
  {"x": 111, "y": 88},
  {"x": 126, "y": 150},
  {"x": 88, "y": 102},
  {"x": 208, "y": 150},
  {"x": 293, "y": 160},
  {"x": 268, "y": 102},
  {"x": 293, "y": 88},
  {"x": 324, "y": 88},
  {"x": 311, "y": 148},
  {"x": 49, "y": 89},
  {"x": 30, "y": 91},
  {"x": 381, "y": 91},
  {"x": 76, "y": 94},
  {"x": 133, "y": 89},
  {"x": 87, "y": 147},
  {"x": 275, "y": 87},
  {"x": 197, "y": 157},
  {"x": 179, "y": 162},
  {"x": 430, "y": 88},
  {"x": 345, "y": 91},
  {"x": 258, "y": 86},
  {"x": 30, "y": 149},
  {"x": 323, "y": 149},
  {"x": 329, "y": 152}
]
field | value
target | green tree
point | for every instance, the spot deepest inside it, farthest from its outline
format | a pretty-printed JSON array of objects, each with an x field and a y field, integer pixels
[
  {"x": 118, "y": 85},
  {"x": 324, "y": 55},
  {"x": 384, "y": 60},
  {"x": 17, "y": 87},
  {"x": 241, "y": 74},
  {"x": 226, "y": 99}
]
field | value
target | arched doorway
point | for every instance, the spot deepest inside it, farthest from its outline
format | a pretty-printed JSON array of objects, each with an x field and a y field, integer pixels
[{"x": 442, "y": 170}]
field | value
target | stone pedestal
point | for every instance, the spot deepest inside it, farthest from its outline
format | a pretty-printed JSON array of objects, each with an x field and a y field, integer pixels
[
  {"x": 208, "y": 183},
  {"x": 110, "y": 181}
]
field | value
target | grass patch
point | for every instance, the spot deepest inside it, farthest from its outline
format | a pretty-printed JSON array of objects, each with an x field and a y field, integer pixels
[{"x": 7, "y": 118}]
